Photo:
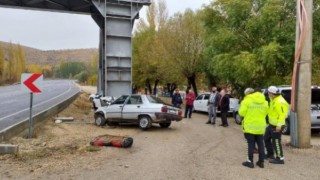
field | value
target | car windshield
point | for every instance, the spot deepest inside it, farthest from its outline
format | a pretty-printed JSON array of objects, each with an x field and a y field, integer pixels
[{"x": 155, "y": 100}]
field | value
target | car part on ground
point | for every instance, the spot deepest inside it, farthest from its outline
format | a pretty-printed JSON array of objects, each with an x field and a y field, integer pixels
[
  {"x": 110, "y": 140},
  {"x": 143, "y": 110}
]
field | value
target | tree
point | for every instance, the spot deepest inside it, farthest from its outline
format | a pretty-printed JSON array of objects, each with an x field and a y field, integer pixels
[
  {"x": 20, "y": 63},
  {"x": 187, "y": 45},
  {"x": 250, "y": 43},
  {"x": 2, "y": 65}
]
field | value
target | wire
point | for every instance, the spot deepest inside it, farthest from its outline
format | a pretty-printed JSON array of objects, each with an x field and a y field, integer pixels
[{"x": 303, "y": 29}]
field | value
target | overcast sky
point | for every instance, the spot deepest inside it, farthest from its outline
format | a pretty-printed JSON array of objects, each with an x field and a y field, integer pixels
[{"x": 48, "y": 31}]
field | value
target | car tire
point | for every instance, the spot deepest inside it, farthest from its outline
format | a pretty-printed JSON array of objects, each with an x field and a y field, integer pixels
[
  {"x": 238, "y": 118},
  {"x": 145, "y": 122},
  {"x": 165, "y": 124},
  {"x": 100, "y": 120},
  {"x": 286, "y": 128}
]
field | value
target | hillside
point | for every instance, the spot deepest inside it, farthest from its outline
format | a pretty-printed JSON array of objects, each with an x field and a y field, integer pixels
[{"x": 53, "y": 57}]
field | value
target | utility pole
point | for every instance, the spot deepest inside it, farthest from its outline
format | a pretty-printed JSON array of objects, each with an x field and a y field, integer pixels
[{"x": 303, "y": 83}]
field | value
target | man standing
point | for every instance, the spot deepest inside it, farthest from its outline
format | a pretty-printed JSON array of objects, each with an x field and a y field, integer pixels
[
  {"x": 254, "y": 109},
  {"x": 177, "y": 99},
  {"x": 278, "y": 112},
  {"x": 212, "y": 105},
  {"x": 224, "y": 107},
  {"x": 189, "y": 103}
]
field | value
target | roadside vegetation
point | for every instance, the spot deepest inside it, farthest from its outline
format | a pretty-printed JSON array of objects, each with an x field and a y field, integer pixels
[
  {"x": 231, "y": 43},
  {"x": 13, "y": 63}
]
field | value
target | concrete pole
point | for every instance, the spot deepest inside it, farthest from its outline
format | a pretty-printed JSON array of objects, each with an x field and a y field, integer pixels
[{"x": 304, "y": 85}]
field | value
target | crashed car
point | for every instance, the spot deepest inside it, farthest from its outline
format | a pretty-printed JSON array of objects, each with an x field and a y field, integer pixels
[
  {"x": 143, "y": 110},
  {"x": 98, "y": 100}
]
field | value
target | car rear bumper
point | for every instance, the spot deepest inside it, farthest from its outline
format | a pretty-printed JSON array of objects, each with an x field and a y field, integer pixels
[{"x": 168, "y": 117}]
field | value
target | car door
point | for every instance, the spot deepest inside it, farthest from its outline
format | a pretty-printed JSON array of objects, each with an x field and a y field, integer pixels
[
  {"x": 198, "y": 102},
  {"x": 114, "y": 109},
  {"x": 204, "y": 104},
  {"x": 132, "y": 108}
]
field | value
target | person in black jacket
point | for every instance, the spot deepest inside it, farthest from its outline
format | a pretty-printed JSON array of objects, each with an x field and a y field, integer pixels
[
  {"x": 224, "y": 107},
  {"x": 176, "y": 99}
]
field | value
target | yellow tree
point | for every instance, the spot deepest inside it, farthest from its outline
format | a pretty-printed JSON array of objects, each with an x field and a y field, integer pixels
[
  {"x": 12, "y": 59},
  {"x": 2, "y": 64},
  {"x": 34, "y": 68},
  {"x": 21, "y": 62}
]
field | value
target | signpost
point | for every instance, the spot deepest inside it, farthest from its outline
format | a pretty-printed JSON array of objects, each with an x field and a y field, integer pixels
[{"x": 30, "y": 80}]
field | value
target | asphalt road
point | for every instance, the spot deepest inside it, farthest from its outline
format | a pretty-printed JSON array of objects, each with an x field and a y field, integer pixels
[{"x": 15, "y": 101}]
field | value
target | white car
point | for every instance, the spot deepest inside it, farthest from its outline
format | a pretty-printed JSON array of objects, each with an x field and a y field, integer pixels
[
  {"x": 200, "y": 103},
  {"x": 138, "y": 109},
  {"x": 99, "y": 101}
]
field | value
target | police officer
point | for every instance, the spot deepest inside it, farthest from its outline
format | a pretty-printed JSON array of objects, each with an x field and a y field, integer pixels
[
  {"x": 278, "y": 111},
  {"x": 254, "y": 109}
]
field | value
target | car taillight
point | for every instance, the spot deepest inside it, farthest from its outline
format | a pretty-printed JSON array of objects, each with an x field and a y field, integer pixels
[
  {"x": 180, "y": 113},
  {"x": 164, "y": 109}
]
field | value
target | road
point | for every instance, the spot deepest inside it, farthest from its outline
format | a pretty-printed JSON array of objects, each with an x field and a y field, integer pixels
[{"x": 15, "y": 102}]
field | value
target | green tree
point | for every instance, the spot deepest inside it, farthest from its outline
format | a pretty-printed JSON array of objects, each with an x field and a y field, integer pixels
[
  {"x": 250, "y": 42},
  {"x": 70, "y": 69}
]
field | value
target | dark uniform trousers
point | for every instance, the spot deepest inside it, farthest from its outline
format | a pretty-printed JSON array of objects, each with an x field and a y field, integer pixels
[
  {"x": 272, "y": 139},
  {"x": 251, "y": 140}
]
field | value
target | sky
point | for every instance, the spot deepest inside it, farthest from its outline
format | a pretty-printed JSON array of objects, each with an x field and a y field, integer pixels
[{"x": 52, "y": 31}]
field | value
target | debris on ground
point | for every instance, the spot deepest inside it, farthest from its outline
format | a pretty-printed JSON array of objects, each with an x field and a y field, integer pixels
[{"x": 110, "y": 140}]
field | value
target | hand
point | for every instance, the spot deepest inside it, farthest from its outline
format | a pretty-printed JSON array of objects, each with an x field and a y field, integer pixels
[{"x": 278, "y": 129}]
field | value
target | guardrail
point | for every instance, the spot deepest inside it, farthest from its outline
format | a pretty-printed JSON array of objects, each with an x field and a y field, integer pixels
[{"x": 20, "y": 127}]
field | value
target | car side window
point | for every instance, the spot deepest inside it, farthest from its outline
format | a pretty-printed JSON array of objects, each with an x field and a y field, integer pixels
[
  {"x": 199, "y": 97},
  {"x": 120, "y": 100},
  {"x": 287, "y": 95},
  {"x": 135, "y": 100},
  {"x": 206, "y": 97}
]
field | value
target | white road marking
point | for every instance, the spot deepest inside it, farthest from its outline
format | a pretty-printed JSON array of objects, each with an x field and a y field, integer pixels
[{"x": 37, "y": 104}]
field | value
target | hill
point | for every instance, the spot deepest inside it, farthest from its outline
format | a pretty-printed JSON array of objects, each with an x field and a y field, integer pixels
[{"x": 53, "y": 57}]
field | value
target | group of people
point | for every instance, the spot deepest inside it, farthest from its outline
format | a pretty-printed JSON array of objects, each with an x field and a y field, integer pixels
[
  {"x": 217, "y": 101},
  {"x": 262, "y": 120},
  {"x": 177, "y": 101},
  {"x": 262, "y": 124}
]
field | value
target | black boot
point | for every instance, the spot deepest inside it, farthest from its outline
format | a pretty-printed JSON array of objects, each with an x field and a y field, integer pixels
[
  {"x": 248, "y": 164},
  {"x": 260, "y": 164},
  {"x": 276, "y": 161}
]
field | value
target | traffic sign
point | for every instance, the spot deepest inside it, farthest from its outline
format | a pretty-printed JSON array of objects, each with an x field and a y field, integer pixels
[{"x": 31, "y": 80}]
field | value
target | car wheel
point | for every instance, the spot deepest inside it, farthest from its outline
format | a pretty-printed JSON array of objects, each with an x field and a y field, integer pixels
[
  {"x": 100, "y": 120},
  {"x": 145, "y": 122},
  {"x": 238, "y": 118},
  {"x": 165, "y": 124},
  {"x": 286, "y": 128}
]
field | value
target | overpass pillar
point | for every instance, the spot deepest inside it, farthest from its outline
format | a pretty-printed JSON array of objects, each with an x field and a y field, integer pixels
[{"x": 115, "y": 19}]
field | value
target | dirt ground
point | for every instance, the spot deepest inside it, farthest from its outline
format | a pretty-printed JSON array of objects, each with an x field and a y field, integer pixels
[{"x": 189, "y": 149}]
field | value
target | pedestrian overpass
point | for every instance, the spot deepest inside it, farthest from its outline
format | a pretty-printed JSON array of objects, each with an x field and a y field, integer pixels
[{"x": 115, "y": 19}]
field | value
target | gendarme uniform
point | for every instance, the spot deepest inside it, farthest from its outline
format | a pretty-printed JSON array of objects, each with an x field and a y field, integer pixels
[
  {"x": 254, "y": 109},
  {"x": 277, "y": 114}
]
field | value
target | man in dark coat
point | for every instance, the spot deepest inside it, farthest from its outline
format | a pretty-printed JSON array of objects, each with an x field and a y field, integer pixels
[
  {"x": 177, "y": 99},
  {"x": 224, "y": 107}
]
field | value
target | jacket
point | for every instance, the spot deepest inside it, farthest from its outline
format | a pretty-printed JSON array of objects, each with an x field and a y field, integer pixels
[
  {"x": 176, "y": 99},
  {"x": 224, "y": 103},
  {"x": 278, "y": 111},
  {"x": 190, "y": 98},
  {"x": 215, "y": 100},
  {"x": 254, "y": 109}
]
